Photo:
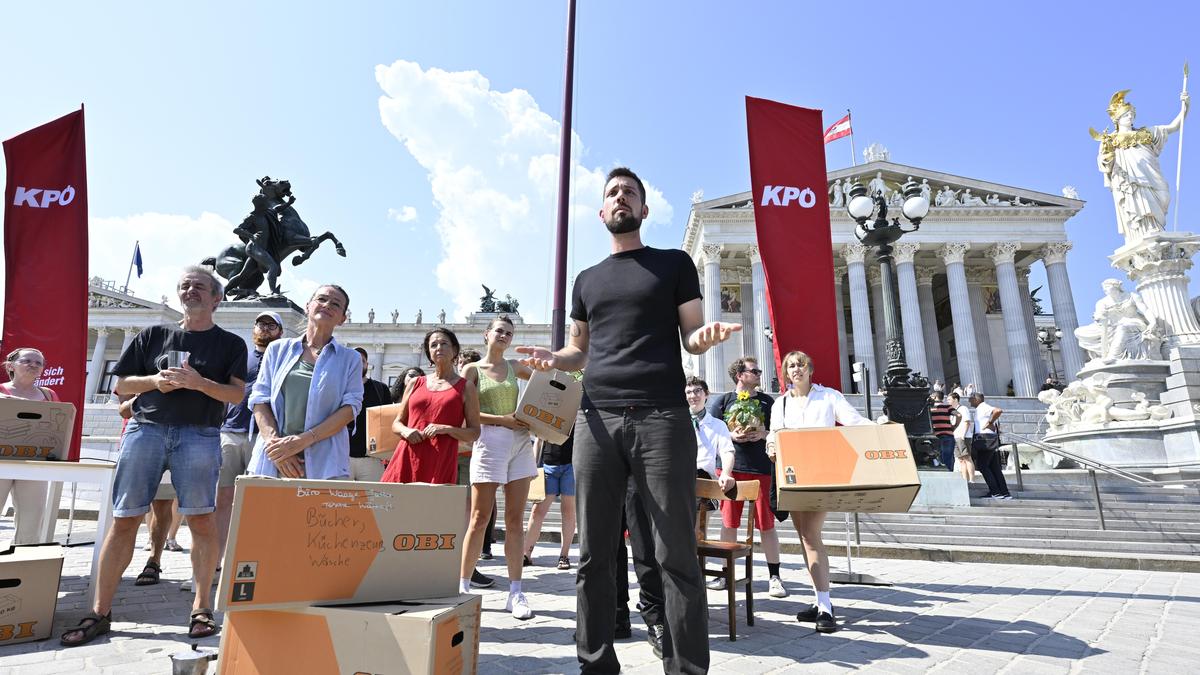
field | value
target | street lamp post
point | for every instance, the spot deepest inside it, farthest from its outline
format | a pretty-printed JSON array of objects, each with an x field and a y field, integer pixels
[
  {"x": 906, "y": 394},
  {"x": 1048, "y": 338}
]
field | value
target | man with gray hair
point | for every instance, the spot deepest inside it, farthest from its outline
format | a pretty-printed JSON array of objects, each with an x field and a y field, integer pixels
[{"x": 184, "y": 375}]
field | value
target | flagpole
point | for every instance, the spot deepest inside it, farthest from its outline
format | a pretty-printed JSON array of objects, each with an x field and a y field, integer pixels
[
  {"x": 1179, "y": 160},
  {"x": 853, "y": 152},
  {"x": 132, "y": 261},
  {"x": 558, "y": 314}
]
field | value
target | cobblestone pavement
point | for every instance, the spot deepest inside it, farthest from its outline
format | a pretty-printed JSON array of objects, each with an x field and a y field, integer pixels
[{"x": 940, "y": 617}]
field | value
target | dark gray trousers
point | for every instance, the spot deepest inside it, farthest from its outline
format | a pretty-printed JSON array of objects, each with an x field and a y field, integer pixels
[{"x": 655, "y": 448}]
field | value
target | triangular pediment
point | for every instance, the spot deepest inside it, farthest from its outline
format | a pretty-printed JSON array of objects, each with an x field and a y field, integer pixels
[
  {"x": 105, "y": 294},
  {"x": 894, "y": 175}
]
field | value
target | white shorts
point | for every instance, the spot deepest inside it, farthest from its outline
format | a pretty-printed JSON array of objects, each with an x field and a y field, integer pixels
[{"x": 502, "y": 455}]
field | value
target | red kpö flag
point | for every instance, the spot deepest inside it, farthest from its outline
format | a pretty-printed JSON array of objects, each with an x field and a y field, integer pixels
[
  {"x": 46, "y": 255},
  {"x": 839, "y": 129},
  {"x": 791, "y": 216}
]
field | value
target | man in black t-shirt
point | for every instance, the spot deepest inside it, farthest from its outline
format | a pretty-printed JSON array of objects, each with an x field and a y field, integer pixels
[
  {"x": 184, "y": 375},
  {"x": 375, "y": 393},
  {"x": 629, "y": 314}
]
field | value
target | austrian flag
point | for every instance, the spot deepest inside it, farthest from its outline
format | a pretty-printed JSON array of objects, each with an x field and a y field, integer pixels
[{"x": 839, "y": 129}]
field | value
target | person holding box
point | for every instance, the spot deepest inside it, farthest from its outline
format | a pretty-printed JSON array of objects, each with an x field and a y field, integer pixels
[
  {"x": 808, "y": 405},
  {"x": 503, "y": 455},
  {"x": 308, "y": 389},
  {"x": 24, "y": 367}
]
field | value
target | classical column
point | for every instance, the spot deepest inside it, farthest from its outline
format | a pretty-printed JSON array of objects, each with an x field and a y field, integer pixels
[
  {"x": 1055, "y": 257},
  {"x": 933, "y": 341},
  {"x": 878, "y": 334},
  {"x": 1040, "y": 369},
  {"x": 910, "y": 307},
  {"x": 96, "y": 369},
  {"x": 839, "y": 271},
  {"x": 712, "y": 312},
  {"x": 1013, "y": 312},
  {"x": 960, "y": 311},
  {"x": 860, "y": 309},
  {"x": 763, "y": 349},
  {"x": 376, "y": 361},
  {"x": 976, "y": 278},
  {"x": 130, "y": 334}
]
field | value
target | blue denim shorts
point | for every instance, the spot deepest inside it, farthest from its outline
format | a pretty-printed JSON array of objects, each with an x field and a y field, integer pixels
[
  {"x": 560, "y": 479},
  {"x": 191, "y": 453}
]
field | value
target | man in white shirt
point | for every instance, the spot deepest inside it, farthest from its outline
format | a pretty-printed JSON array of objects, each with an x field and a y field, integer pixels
[
  {"x": 985, "y": 443},
  {"x": 712, "y": 439}
]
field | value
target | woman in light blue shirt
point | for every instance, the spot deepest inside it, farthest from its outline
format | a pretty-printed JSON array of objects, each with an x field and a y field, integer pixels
[{"x": 309, "y": 389}]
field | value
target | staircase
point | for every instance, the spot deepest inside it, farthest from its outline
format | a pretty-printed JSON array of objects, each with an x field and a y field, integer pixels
[{"x": 1052, "y": 521}]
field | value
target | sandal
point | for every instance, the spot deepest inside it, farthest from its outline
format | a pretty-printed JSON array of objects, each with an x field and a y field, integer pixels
[
  {"x": 202, "y": 624},
  {"x": 89, "y": 631},
  {"x": 173, "y": 545},
  {"x": 564, "y": 563},
  {"x": 149, "y": 575}
]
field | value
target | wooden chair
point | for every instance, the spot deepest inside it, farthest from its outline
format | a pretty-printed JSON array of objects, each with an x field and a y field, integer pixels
[{"x": 747, "y": 491}]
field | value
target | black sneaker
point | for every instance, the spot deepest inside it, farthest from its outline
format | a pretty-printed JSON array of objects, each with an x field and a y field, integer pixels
[
  {"x": 806, "y": 615},
  {"x": 826, "y": 623},
  {"x": 654, "y": 635},
  {"x": 485, "y": 554},
  {"x": 479, "y": 580},
  {"x": 526, "y": 562},
  {"x": 622, "y": 631}
]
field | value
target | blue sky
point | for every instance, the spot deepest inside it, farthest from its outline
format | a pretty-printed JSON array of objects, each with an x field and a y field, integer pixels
[{"x": 400, "y": 125}]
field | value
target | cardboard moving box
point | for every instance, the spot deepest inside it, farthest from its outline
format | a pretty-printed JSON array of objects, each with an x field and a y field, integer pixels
[
  {"x": 867, "y": 468},
  {"x": 29, "y": 578},
  {"x": 335, "y": 542},
  {"x": 35, "y": 429},
  {"x": 429, "y": 636},
  {"x": 549, "y": 404},
  {"x": 381, "y": 440}
]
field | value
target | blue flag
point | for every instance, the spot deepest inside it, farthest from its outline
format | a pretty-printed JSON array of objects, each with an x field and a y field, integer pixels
[{"x": 137, "y": 258}]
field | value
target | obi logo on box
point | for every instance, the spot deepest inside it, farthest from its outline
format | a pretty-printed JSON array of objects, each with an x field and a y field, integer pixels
[
  {"x": 17, "y": 631},
  {"x": 544, "y": 416},
  {"x": 885, "y": 454},
  {"x": 423, "y": 542},
  {"x": 28, "y": 451}
]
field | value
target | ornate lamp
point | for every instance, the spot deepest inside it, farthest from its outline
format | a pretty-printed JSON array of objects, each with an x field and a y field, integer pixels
[{"x": 906, "y": 397}]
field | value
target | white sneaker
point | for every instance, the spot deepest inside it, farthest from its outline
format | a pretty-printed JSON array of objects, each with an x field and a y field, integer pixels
[
  {"x": 187, "y": 586},
  {"x": 775, "y": 588},
  {"x": 717, "y": 584},
  {"x": 519, "y": 606}
]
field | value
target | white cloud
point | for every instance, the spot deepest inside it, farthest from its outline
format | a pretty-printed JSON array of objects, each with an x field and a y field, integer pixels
[
  {"x": 169, "y": 242},
  {"x": 404, "y": 214},
  {"x": 492, "y": 162}
]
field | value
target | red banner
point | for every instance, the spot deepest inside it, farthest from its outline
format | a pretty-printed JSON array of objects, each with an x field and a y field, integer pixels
[
  {"x": 46, "y": 255},
  {"x": 791, "y": 215}
]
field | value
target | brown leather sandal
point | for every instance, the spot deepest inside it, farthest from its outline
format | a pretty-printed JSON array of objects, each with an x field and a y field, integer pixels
[
  {"x": 89, "y": 631},
  {"x": 149, "y": 575},
  {"x": 202, "y": 624}
]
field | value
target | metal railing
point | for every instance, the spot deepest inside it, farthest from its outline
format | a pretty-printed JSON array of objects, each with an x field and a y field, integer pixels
[{"x": 1092, "y": 465}]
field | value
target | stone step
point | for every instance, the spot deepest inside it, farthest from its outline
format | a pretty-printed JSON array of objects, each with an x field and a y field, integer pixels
[
  {"x": 1066, "y": 511},
  {"x": 1056, "y": 504},
  {"x": 1159, "y": 497},
  {"x": 1083, "y": 521},
  {"x": 1017, "y": 533},
  {"x": 1031, "y": 541}
]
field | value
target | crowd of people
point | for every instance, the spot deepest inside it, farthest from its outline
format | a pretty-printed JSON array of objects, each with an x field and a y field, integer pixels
[{"x": 202, "y": 406}]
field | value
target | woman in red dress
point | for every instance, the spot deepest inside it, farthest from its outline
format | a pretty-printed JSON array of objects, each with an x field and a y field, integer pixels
[{"x": 438, "y": 410}]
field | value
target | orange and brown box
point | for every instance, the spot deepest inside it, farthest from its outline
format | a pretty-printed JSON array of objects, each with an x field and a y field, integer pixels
[
  {"x": 297, "y": 542},
  {"x": 867, "y": 468},
  {"x": 381, "y": 440},
  {"x": 438, "y": 636},
  {"x": 29, "y": 578},
  {"x": 549, "y": 404},
  {"x": 35, "y": 429}
]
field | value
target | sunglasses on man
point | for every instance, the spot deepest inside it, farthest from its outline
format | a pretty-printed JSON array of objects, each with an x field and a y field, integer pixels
[{"x": 756, "y": 371}]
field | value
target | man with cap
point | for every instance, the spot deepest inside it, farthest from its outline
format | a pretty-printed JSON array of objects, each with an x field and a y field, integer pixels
[{"x": 236, "y": 443}]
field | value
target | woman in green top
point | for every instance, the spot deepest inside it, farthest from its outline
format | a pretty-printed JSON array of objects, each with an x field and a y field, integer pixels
[{"x": 503, "y": 455}]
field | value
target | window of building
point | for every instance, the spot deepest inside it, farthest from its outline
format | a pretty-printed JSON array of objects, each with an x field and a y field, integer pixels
[{"x": 109, "y": 380}]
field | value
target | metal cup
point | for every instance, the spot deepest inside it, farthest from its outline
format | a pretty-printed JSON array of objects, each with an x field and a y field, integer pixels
[{"x": 176, "y": 359}]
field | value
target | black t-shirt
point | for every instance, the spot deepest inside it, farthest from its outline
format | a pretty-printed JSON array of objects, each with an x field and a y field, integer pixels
[
  {"x": 747, "y": 457},
  {"x": 558, "y": 455},
  {"x": 374, "y": 393},
  {"x": 630, "y": 302},
  {"x": 215, "y": 353}
]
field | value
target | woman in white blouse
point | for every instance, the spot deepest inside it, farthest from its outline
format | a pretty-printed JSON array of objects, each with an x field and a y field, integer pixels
[{"x": 808, "y": 405}]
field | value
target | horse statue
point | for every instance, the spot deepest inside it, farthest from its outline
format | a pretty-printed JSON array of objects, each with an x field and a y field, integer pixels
[{"x": 270, "y": 233}]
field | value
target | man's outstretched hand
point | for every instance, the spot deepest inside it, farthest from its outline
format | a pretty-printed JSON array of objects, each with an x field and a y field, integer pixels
[{"x": 540, "y": 358}]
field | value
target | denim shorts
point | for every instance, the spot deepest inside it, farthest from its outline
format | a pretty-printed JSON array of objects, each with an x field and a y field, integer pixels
[
  {"x": 560, "y": 479},
  {"x": 191, "y": 453}
]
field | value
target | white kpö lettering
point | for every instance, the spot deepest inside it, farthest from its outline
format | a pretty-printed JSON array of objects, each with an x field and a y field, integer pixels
[
  {"x": 782, "y": 195},
  {"x": 29, "y": 197}
]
